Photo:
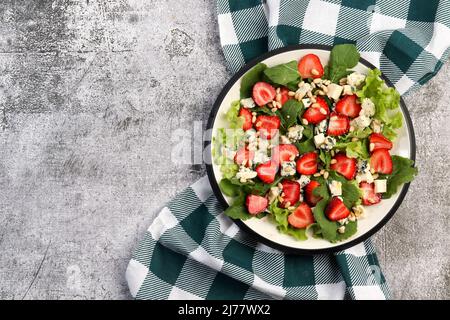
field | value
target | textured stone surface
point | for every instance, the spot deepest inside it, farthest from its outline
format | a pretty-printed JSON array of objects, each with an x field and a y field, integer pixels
[{"x": 90, "y": 92}]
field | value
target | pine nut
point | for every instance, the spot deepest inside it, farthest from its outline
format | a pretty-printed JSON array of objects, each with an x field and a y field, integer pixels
[
  {"x": 291, "y": 208},
  {"x": 320, "y": 93},
  {"x": 280, "y": 186},
  {"x": 333, "y": 161},
  {"x": 305, "y": 122},
  {"x": 315, "y": 105},
  {"x": 371, "y": 146},
  {"x": 316, "y": 174},
  {"x": 287, "y": 204},
  {"x": 314, "y": 72},
  {"x": 325, "y": 89},
  {"x": 278, "y": 90},
  {"x": 258, "y": 124},
  {"x": 318, "y": 80},
  {"x": 278, "y": 97},
  {"x": 253, "y": 119},
  {"x": 326, "y": 174},
  {"x": 291, "y": 93},
  {"x": 322, "y": 171},
  {"x": 332, "y": 154},
  {"x": 354, "y": 139},
  {"x": 254, "y": 113},
  {"x": 274, "y": 109},
  {"x": 352, "y": 128},
  {"x": 323, "y": 111},
  {"x": 372, "y": 171},
  {"x": 280, "y": 199}
]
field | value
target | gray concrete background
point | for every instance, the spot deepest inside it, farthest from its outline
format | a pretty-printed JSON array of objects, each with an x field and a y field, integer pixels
[{"x": 90, "y": 93}]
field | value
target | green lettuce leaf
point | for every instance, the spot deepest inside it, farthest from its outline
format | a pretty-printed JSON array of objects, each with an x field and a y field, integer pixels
[
  {"x": 250, "y": 78},
  {"x": 403, "y": 172},
  {"x": 355, "y": 149},
  {"x": 233, "y": 117}
]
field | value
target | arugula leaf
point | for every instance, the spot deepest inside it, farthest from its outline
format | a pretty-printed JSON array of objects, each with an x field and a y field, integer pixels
[
  {"x": 403, "y": 172},
  {"x": 228, "y": 188},
  {"x": 289, "y": 113},
  {"x": 237, "y": 212},
  {"x": 328, "y": 228},
  {"x": 342, "y": 58},
  {"x": 283, "y": 74},
  {"x": 350, "y": 229},
  {"x": 250, "y": 78}
]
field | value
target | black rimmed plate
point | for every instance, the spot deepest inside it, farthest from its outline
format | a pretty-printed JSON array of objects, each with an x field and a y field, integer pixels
[{"x": 264, "y": 229}]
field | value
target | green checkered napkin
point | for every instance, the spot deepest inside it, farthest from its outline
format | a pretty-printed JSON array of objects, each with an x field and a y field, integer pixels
[{"x": 193, "y": 251}]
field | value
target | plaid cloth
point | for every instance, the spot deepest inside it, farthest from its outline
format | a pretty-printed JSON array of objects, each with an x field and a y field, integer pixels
[
  {"x": 193, "y": 251},
  {"x": 409, "y": 40}
]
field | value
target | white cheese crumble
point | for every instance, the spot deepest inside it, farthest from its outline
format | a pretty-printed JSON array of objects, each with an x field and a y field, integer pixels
[
  {"x": 360, "y": 122},
  {"x": 329, "y": 143},
  {"x": 334, "y": 91},
  {"x": 228, "y": 153},
  {"x": 250, "y": 135},
  {"x": 367, "y": 108},
  {"x": 245, "y": 174},
  {"x": 303, "y": 89},
  {"x": 295, "y": 133},
  {"x": 335, "y": 188},
  {"x": 273, "y": 194},
  {"x": 380, "y": 186},
  {"x": 306, "y": 102},
  {"x": 248, "y": 103},
  {"x": 355, "y": 79},
  {"x": 261, "y": 156},
  {"x": 347, "y": 90},
  {"x": 304, "y": 180},
  {"x": 365, "y": 176},
  {"x": 288, "y": 168},
  {"x": 284, "y": 140},
  {"x": 321, "y": 127},
  {"x": 319, "y": 139}
]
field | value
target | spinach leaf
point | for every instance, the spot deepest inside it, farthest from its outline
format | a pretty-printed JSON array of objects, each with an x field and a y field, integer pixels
[
  {"x": 350, "y": 229},
  {"x": 403, "y": 172},
  {"x": 342, "y": 58},
  {"x": 283, "y": 74},
  {"x": 237, "y": 212},
  {"x": 228, "y": 188},
  {"x": 290, "y": 112},
  {"x": 250, "y": 78},
  {"x": 328, "y": 228}
]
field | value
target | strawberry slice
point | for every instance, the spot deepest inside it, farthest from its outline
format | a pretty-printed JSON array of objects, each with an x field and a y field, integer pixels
[
  {"x": 301, "y": 217},
  {"x": 369, "y": 197},
  {"x": 284, "y": 95},
  {"x": 263, "y": 93},
  {"x": 247, "y": 115},
  {"x": 348, "y": 106},
  {"x": 244, "y": 155},
  {"x": 307, "y": 163},
  {"x": 379, "y": 142},
  {"x": 381, "y": 161},
  {"x": 291, "y": 190},
  {"x": 344, "y": 165},
  {"x": 338, "y": 124},
  {"x": 284, "y": 152},
  {"x": 310, "y": 66},
  {"x": 310, "y": 197},
  {"x": 267, "y": 171},
  {"x": 256, "y": 204},
  {"x": 267, "y": 125},
  {"x": 314, "y": 115},
  {"x": 336, "y": 210}
]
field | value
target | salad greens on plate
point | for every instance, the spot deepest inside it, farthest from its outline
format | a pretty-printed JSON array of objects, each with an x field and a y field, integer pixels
[{"x": 309, "y": 145}]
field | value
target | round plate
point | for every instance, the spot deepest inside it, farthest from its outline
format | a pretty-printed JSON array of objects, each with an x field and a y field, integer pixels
[{"x": 265, "y": 230}]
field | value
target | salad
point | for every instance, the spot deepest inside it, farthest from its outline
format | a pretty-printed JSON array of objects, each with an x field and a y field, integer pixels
[{"x": 309, "y": 145}]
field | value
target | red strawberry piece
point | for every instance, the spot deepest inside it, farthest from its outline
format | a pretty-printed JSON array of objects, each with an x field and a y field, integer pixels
[
  {"x": 244, "y": 155},
  {"x": 284, "y": 95},
  {"x": 267, "y": 125},
  {"x": 348, "y": 106},
  {"x": 267, "y": 171},
  {"x": 301, "y": 217},
  {"x": 344, "y": 165},
  {"x": 338, "y": 124},
  {"x": 307, "y": 163},
  {"x": 256, "y": 204},
  {"x": 314, "y": 115},
  {"x": 381, "y": 161},
  {"x": 369, "y": 197},
  {"x": 310, "y": 197},
  {"x": 291, "y": 190},
  {"x": 263, "y": 93},
  {"x": 247, "y": 115},
  {"x": 336, "y": 210},
  {"x": 378, "y": 141},
  {"x": 310, "y": 66},
  {"x": 284, "y": 152}
]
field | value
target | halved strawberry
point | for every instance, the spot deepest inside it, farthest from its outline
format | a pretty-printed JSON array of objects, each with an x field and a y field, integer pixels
[
  {"x": 344, "y": 165},
  {"x": 284, "y": 152},
  {"x": 301, "y": 217},
  {"x": 247, "y": 115},
  {"x": 314, "y": 115},
  {"x": 307, "y": 163},
  {"x": 348, "y": 106},
  {"x": 336, "y": 210},
  {"x": 310, "y": 197},
  {"x": 263, "y": 93},
  {"x": 256, "y": 204},
  {"x": 284, "y": 95},
  {"x": 381, "y": 161},
  {"x": 243, "y": 154},
  {"x": 369, "y": 197},
  {"x": 310, "y": 66},
  {"x": 267, "y": 171},
  {"x": 379, "y": 142},
  {"x": 291, "y": 190},
  {"x": 267, "y": 125},
  {"x": 338, "y": 124}
]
